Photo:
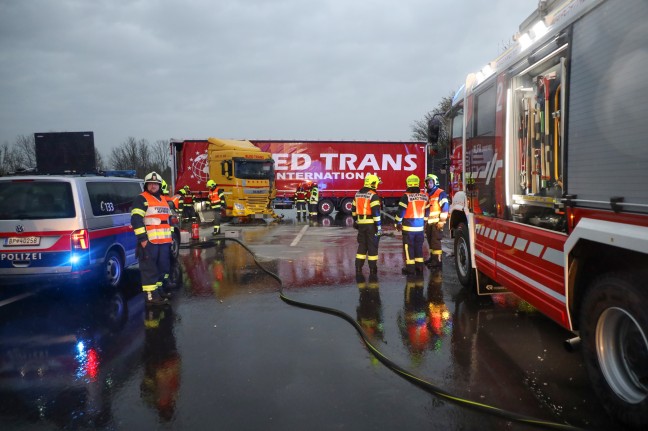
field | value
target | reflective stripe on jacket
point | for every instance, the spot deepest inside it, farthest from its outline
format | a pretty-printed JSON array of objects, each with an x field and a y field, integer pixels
[
  {"x": 438, "y": 206},
  {"x": 214, "y": 198}
]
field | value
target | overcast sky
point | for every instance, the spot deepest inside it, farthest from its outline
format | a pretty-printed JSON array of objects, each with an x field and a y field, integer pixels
[{"x": 240, "y": 69}]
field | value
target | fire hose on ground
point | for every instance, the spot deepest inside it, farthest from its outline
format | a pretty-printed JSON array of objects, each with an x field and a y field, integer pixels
[{"x": 402, "y": 372}]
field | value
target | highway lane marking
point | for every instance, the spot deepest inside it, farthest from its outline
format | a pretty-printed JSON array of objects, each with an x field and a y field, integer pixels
[
  {"x": 299, "y": 236},
  {"x": 15, "y": 298}
]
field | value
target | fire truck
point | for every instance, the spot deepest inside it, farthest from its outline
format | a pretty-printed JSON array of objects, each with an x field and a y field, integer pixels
[{"x": 548, "y": 175}]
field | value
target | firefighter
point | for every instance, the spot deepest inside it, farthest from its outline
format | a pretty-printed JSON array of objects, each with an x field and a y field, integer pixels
[
  {"x": 413, "y": 210},
  {"x": 165, "y": 194},
  {"x": 215, "y": 198},
  {"x": 187, "y": 204},
  {"x": 366, "y": 219},
  {"x": 300, "y": 202},
  {"x": 438, "y": 215},
  {"x": 313, "y": 199},
  {"x": 150, "y": 221}
]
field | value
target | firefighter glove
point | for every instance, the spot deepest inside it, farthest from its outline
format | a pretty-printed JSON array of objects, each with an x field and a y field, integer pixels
[
  {"x": 399, "y": 227},
  {"x": 379, "y": 231}
]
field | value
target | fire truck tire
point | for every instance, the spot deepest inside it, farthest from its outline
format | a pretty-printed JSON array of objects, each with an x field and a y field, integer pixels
[
  {"x": 113, "y": 269},
  {"x": 325, "y": 207},
  {"x": 614, "y": 334},
  {"x": 346, "y": 206},
  {"x": 463, "y": 259}
]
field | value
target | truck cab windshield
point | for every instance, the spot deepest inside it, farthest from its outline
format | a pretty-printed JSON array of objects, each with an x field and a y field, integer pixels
[{"x": 254, "y": 169}]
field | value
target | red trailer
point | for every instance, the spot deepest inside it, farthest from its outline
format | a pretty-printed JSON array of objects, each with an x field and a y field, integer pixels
[{"x": 339, "y": 167}]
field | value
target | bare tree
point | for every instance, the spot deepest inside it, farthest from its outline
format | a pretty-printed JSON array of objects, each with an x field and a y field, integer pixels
[
  {"x": 160, "y": 158},
  {"x": 99, "y": 161},
  {"x": 421, "y": 131},
  {"x": 26, "y": 149},
  {"x": 133, "y": 155}
]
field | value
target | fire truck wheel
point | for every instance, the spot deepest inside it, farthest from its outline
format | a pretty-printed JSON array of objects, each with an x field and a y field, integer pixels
[
  {"x": 614, "y": 334},
  {"x": 463, "y": 260},
  {"x": 325, "y": 207}
]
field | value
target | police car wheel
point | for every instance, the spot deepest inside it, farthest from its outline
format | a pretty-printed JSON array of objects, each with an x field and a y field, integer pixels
[{"x": 113, "y": 269}]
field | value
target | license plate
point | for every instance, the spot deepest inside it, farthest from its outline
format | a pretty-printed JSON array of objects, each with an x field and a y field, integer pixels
[{"x": 22, "y": 240}]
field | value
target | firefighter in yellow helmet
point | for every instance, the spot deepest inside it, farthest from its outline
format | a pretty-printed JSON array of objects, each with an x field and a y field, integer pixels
[
  {"x": 215, "y": 199},
  {"x": 439, "y": 206},
  {"x": 150, "y": 221},
  {"x": 413, "y": 210},
  {"x": 187, "y": 205},
  {"x": 366, "y": 218},
  {"x": 313, "y": 200}
]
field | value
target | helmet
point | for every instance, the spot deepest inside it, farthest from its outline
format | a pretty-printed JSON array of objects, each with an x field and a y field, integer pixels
[
  {"x": 182, "y": 192},
  {"x": 186, "y": 188},
  {"x": 372, "y": 181},
  {"x": 153, "y": 177},
  {"x": 165, "y": 188},
  {"x": 211, "y": 183},
  {"x": 431, "y": 177},
  {"x": 413, "y": 181}
]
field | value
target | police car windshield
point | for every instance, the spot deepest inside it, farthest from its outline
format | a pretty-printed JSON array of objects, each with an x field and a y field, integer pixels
[
  {"x": 34, "y": 200},
  {"x": 254, "y": 169}
]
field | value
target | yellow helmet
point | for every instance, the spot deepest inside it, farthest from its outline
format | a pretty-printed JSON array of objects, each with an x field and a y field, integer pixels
[
  {"x": 413, "y": 181},
  {"x": 372, "y": 181},
  {"x": 433, "y": 178},
  {"x": 211, "y": 183},
  {"x": 165, "y": 188}
]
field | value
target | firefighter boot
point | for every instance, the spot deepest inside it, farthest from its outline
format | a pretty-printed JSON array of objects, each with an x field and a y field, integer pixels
[
  {"x": 153, "y": 298},
  {"x": 408, "y": 270},
  {"x": 216, "y": 231},
  {"x": 434, "y": 261}
]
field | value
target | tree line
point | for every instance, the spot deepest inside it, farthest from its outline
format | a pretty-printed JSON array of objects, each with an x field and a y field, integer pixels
[
  {"x": 139, "y": 155},
  {"x": 143, "y": 156}
]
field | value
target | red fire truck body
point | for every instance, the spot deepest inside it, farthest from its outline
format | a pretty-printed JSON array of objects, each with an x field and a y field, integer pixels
[
  {"x": 548, "y": 181},
  {"x": 339, "y": 167}
]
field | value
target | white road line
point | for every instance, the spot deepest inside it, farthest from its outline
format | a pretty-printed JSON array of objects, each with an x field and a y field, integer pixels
[
  {"x": 15, "y": 298},
  {"x": 299, "y": 236}
]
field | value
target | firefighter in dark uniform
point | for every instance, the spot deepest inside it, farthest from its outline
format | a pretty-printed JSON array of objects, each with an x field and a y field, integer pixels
[
  {"x": 216, "y": 205},
  {"x": 187, "y": 205},
  {"x": 366, "y": 218},
  {"x": 439, "y": 205},
  {"x": 313, "y": 199},
  {"x": 150, "y": 221},
  {"x": 413, "y": 210},
  {"x": 300, "y": 202}
]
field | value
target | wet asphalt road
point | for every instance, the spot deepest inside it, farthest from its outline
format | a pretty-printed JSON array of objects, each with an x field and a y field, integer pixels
[{"x": 229, "y": 354}]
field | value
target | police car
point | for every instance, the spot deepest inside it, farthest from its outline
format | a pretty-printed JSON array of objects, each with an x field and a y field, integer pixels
[{"x": 59, "y": 228}]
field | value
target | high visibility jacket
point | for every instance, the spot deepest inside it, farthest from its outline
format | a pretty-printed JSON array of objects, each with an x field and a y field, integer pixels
[
  {"x": 413, "y": 210},
  {"x": 314, "y": 196},
  {"x": 214, "y": 198},
  {"x": 176, "y": 201},
  {"x": 366, "y": 207},
  {"x": 438, "y": 205},
  {"x": 150, "y": 219},
  {"x": 300, "y": 196}
]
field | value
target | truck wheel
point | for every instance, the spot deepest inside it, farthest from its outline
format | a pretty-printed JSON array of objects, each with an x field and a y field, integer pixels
[
  {"x": 325, "y": 207},
  {"x": 112, "y": 269},
  {"x": 463, "y": 260},
  {"x": 614, "y": 334},
  {"x": 347, "y": 206}
]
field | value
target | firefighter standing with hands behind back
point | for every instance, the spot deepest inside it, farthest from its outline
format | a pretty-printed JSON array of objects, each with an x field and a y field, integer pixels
[
  {"x": 313, "y": 200},
  {"x": 150, "y": 221},
  {"x": 412, "y": 213},
  {"x": 366, "y": 218},
  {"x": 438, "y": 215}
]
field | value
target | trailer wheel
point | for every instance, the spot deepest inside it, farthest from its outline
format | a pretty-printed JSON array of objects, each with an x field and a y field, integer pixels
[
  {"x": 463, "y": 260},
  {"x": 347, "y": 206},
  {"x": 614, "y": 333},
  {"x": 325, "y": 207}
]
